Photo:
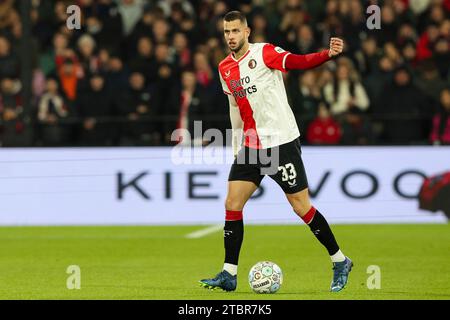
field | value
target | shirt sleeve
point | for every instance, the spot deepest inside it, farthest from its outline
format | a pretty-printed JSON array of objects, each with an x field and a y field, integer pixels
[
  {"x": 275, "y": 57},
  {"x": 306, "y": 61}
]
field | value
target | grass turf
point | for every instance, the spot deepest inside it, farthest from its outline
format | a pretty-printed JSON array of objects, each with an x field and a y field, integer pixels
[{"x": 160, "y": 263}]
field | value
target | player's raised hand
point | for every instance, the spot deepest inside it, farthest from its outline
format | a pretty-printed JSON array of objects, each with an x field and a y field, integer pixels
[{"x": 336, "y": 47}]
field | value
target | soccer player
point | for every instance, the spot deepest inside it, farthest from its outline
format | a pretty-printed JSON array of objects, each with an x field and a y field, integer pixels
[{"x": 251, "y": 76}]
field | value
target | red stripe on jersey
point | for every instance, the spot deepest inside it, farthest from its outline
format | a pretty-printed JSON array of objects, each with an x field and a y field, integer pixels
[{"x": 229, "y": 70}]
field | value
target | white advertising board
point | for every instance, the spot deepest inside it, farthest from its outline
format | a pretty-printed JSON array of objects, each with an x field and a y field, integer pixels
[{"x": 146, "y": 186}]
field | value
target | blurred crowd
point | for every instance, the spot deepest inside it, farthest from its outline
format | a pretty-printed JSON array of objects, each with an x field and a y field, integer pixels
[{"x": 138, "y": 69}]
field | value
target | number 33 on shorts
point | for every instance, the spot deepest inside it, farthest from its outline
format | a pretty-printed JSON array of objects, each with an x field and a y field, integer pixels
[{"x": 288, "y": 173}]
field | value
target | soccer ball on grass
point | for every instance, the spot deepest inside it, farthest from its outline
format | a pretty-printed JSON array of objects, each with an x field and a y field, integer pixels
[{"x": 265, "y": 277}]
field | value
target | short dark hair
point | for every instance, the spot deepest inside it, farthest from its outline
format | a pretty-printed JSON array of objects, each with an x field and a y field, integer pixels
[{"x": 235, "y": 15}]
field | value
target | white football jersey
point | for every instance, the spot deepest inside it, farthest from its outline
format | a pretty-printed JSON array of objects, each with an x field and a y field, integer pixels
[{"x": 256, "y": 83}]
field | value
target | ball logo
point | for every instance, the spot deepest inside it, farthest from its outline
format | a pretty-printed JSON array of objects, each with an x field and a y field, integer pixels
[
  {"x": 262, "y": 284},
  {"x": 252, "y": 64},
  {"x": 257, "y": 276}
]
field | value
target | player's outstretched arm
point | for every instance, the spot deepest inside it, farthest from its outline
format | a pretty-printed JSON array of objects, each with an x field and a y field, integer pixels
[
  {"x": 312, "y": 60},
  {"x": 237, "y": 125}
]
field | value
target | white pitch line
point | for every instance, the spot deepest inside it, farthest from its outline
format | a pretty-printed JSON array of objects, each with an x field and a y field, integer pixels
[{"x": 204, "y": 232}]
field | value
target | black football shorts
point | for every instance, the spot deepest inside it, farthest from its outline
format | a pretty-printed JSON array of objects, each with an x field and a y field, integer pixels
[{"x": 282, "y": 163}]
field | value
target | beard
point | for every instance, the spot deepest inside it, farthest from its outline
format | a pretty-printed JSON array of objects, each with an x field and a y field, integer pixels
[{"x": 239, "y": 46}]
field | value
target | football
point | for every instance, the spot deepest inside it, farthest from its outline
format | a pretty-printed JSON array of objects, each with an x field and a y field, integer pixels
[{"x": 265, "y": 277}]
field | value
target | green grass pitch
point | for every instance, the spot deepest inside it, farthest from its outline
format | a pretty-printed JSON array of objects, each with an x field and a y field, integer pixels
[{"x": 160, "y": 263}]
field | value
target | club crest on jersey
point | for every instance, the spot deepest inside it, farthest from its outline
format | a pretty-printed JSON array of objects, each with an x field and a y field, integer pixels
[{"x": 252, "y": 64}]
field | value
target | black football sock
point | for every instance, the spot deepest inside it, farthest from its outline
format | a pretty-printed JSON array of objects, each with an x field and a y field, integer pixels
[
  {"x": 319, "y": 226},
  {"x": 233, "y": 236}
]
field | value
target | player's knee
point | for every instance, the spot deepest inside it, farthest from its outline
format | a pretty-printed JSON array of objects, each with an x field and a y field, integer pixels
[
  {"x": 301, "y": 209},
  {"x": 234, "y": 204}
]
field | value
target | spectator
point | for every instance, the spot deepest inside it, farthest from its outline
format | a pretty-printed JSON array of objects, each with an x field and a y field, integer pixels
[
  {"x": 69, "y": 74},
  {"x": 215, "y": 51},
  {"x": 424, "y": 45},
  {"x": 331, "y": 24},
  {"x": 59, "y": 14},
  {"x": 348, "y": 102},
  {"x": 441, "y": 54},
  {"x": 323, "y": 130},
  {"x": 259, "y": 26},
  {"x": 135, "y": 105},
  {"x": 41, "y": 17},
  {"x": 176, "y": 16},
  {"x": 203, "y": 71},
  {"x": 12, "y": 120},
  {"x": 94, "y": 108},
  {"x": 219, "y": 9},
  {"x": 106, "y": 25},
  {"x": 406, "y": 34},
  {"x": 440, "y": 131},
  {"x": 404, "y": 107},
  {"x": 430, "y": 82},
  {"x": 104, "y": 58},
  {"x": 14, "y": 32},
  {"x": 144, "y": 61},
  {"x": 131, "y": 12},
  {"x": 376, "y": 81},
  {"x": 304, "y": 99},
  {"x": 116, "y": 75},
  {"x": 88, "y": 61},
  {"x": 391, "y": 51},
  {"x": 6, "y": 14},
  {"x": 54, "y": 57},
  {"x": 144, "y": 27},
  {"x": 9, "y": 64},
  {"x": 436, "y": 14},
  {"x": 191, "y": 30},
  {"x": 305, "y": 41},
  {"x": 408, "y": 51},
  {"x": 390, "y": 25},
  {"x": 165, "y": 88},
  {"x": 368, "y": 57},
  {"x": 183, "y": 52},
  {"x": 161, "y": 31},
  {"x": 52, "y": 111},
  {"x": 167, "y": 6},
  {"x": 38, "y": 85},
  {"x": 352, "y": 16},
  {"x": 294, "y": 16},
  {"x": 345, "y": 92},
  {"x": 193, "y": 105}
]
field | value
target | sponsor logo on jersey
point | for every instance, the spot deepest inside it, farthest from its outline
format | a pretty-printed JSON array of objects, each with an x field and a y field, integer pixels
[{"x": 239, "y": 91}]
